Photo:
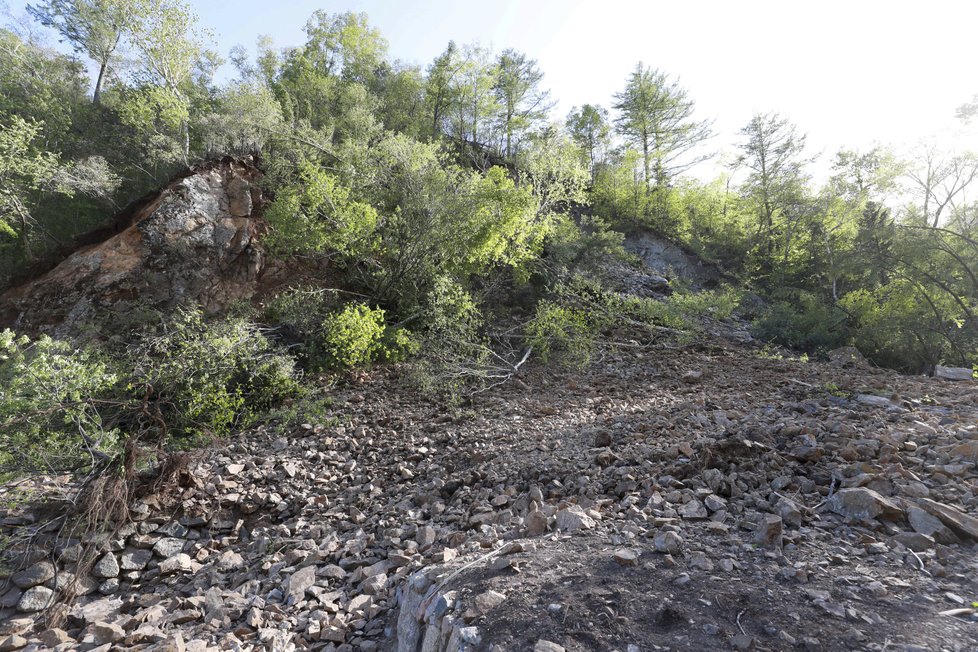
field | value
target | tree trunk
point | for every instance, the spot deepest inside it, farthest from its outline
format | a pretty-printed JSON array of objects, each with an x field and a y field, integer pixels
[{"x": 98, "y": 83}]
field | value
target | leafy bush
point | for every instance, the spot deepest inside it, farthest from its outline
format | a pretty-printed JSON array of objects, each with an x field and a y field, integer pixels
[
  {"x": 64, "y": 408},
  {"x": 805, "y": 323},
  {"x": 561, "y": 332},
  {"x": 352, "y": 337},
  {"x": 899, "y": 327},
  {"x": 52, "y": 405}
]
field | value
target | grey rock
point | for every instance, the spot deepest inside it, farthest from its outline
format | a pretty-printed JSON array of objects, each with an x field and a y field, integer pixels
[
  {"x": 927, "y": 524},
  {"x": 106, "y": 566},
  {"x": 179, "y": 563},
  {"x": 954, "y": 373},
  {"x": 298, "y": 582},
  {"x": 668, "y": 542},
  {"x": 959, "y": 522},
  {"x": 133, "y": 559},
  {"x": 694, "y": 509},
  {"x": 914, "y": 541},
  {"x": 865, "y": 504},
  {"x": 168, "y": 547},
  {"x": 107, "y": 633},
  {"x": 34, "y": 599},
  {"x": 12, "y": 642},
  {"x": 573, "y": 518},
  {"x": 39, "y": 573},
  {"x": 769, "y": 532}
]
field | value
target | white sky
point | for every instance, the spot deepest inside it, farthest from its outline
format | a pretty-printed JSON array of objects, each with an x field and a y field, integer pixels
[{"x": 849, "y": 73}]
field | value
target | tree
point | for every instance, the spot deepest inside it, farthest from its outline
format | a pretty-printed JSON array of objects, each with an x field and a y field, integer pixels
[
  {"x": 473, "y": 99},
  {"x": 522, "y": 102},
  {"x": 775, "y": 184},
  {"x": 588, "y": 126},
  {"x": 656, "y": 116},
  {"x": 345, "y": 45},
  {"x": 941, "y": 179},
  {"x": 172, "y": 50},
  {"x": 93, "y": 27},
  {"x": 440, "y": 86}
]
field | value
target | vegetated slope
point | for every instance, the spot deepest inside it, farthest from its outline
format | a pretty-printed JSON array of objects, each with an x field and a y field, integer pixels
[{"x": 666, "y": 497}]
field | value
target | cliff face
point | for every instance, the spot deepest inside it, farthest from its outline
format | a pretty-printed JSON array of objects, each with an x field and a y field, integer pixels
[{"x": 194, "y": 243}]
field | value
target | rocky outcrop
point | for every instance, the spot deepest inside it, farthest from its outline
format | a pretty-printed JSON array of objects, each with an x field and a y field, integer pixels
[{"x": 195, "y": 242}]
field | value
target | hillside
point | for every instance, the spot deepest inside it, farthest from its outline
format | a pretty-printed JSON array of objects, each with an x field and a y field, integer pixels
[
  {"x": 665, "y": 498},
  {"x": 335, "y": 351}
]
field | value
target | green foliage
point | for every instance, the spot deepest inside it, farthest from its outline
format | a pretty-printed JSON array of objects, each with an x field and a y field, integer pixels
[
  {"x": 208, "y": 378},
  {"x": 899, "y": 326},
  {"x": 316, "y": 213},
  {"x": 560, "y": 332},
  {"x": 353, "y": 336},
  {"x": 586, "y": 246},
  {"x": 66, "y": 408},
  {"x": 338, "y": 338},
  {"x": 52, "y": 405},
  {"x": 801, "y": 322}
]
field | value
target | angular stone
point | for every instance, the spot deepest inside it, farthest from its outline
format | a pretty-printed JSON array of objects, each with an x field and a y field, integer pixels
[
  {"x": 954, "y": 373},
  {"x": 626, "y": 557},
  {"x": 486, "y": 602},
  {"x": 694, "y": 509},
  {"x": 374, "y": 584},
  {"x": 54, "y": 637},
  {"x": 536, "y": 523},
  {"x": 228, "y": 561},
  {"x": 133, "y": 559},
  {"x": 959, "y": 522},
  {"x": 967, "y": 450},
  {"x": 107, "y": 633},
  {"x": 929, "y": 525},
  {"x": 106, "y": 566},
  {"x": 865, "y": 504},
  {"x": 36, "y": 598},
  {"x": 180, "y": 563},
  {"x": 12, "y": 642},
  {"x": 39, "y": 573},
  {"x": 298, "y": 582},
  {"x": 543, "y": 645},
  {"x": 668, "y": 542},
  {"x": 573, "y": 518},
  {"x": 769, "y": 532},
  {"x": 168, "y": 547},
  {"x": 914, "y": 540}
]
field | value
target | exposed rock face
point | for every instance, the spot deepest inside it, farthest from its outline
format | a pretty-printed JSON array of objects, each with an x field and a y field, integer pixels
[{"x": 195, "y": 243}]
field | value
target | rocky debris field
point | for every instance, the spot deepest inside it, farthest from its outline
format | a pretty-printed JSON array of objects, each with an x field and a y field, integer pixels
[{"x": 665, "y": 498}]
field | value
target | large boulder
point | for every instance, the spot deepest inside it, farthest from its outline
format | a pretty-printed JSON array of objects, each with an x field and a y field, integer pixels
[{"x": 194, "y": 242}]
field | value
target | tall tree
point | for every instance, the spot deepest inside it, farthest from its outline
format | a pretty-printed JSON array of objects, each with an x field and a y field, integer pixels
[
  {"x": 522, "y": 101},
  {"x": 656, "y": 116},
  {"x": 95, "y": 28},
  {"x": 772, "y": 154},
  {"x": 588, "y": 126},
  {"x": 474, "y": 98},
  {"x": 172, "y": 51},
  {"x": 941, "y": 180},
  {"x": 440, "y": 85},
  {"x": 345, "y": 45}
]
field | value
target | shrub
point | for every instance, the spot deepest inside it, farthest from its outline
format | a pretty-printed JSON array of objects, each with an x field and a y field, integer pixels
[
  {"x": 353, "y": 336},
  {"x": 64, "y": 408},
  {"x": 52, "y": 405},
  {"x": 805, "y": 323},
  {"x": 562, "y": 332}
]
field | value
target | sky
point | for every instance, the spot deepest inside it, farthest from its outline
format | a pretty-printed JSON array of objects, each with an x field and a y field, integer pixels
[{"x": 849, "y": 73}]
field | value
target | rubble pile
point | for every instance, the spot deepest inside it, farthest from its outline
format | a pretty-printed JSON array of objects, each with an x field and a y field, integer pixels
[{"x": 664, "y": 498}]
